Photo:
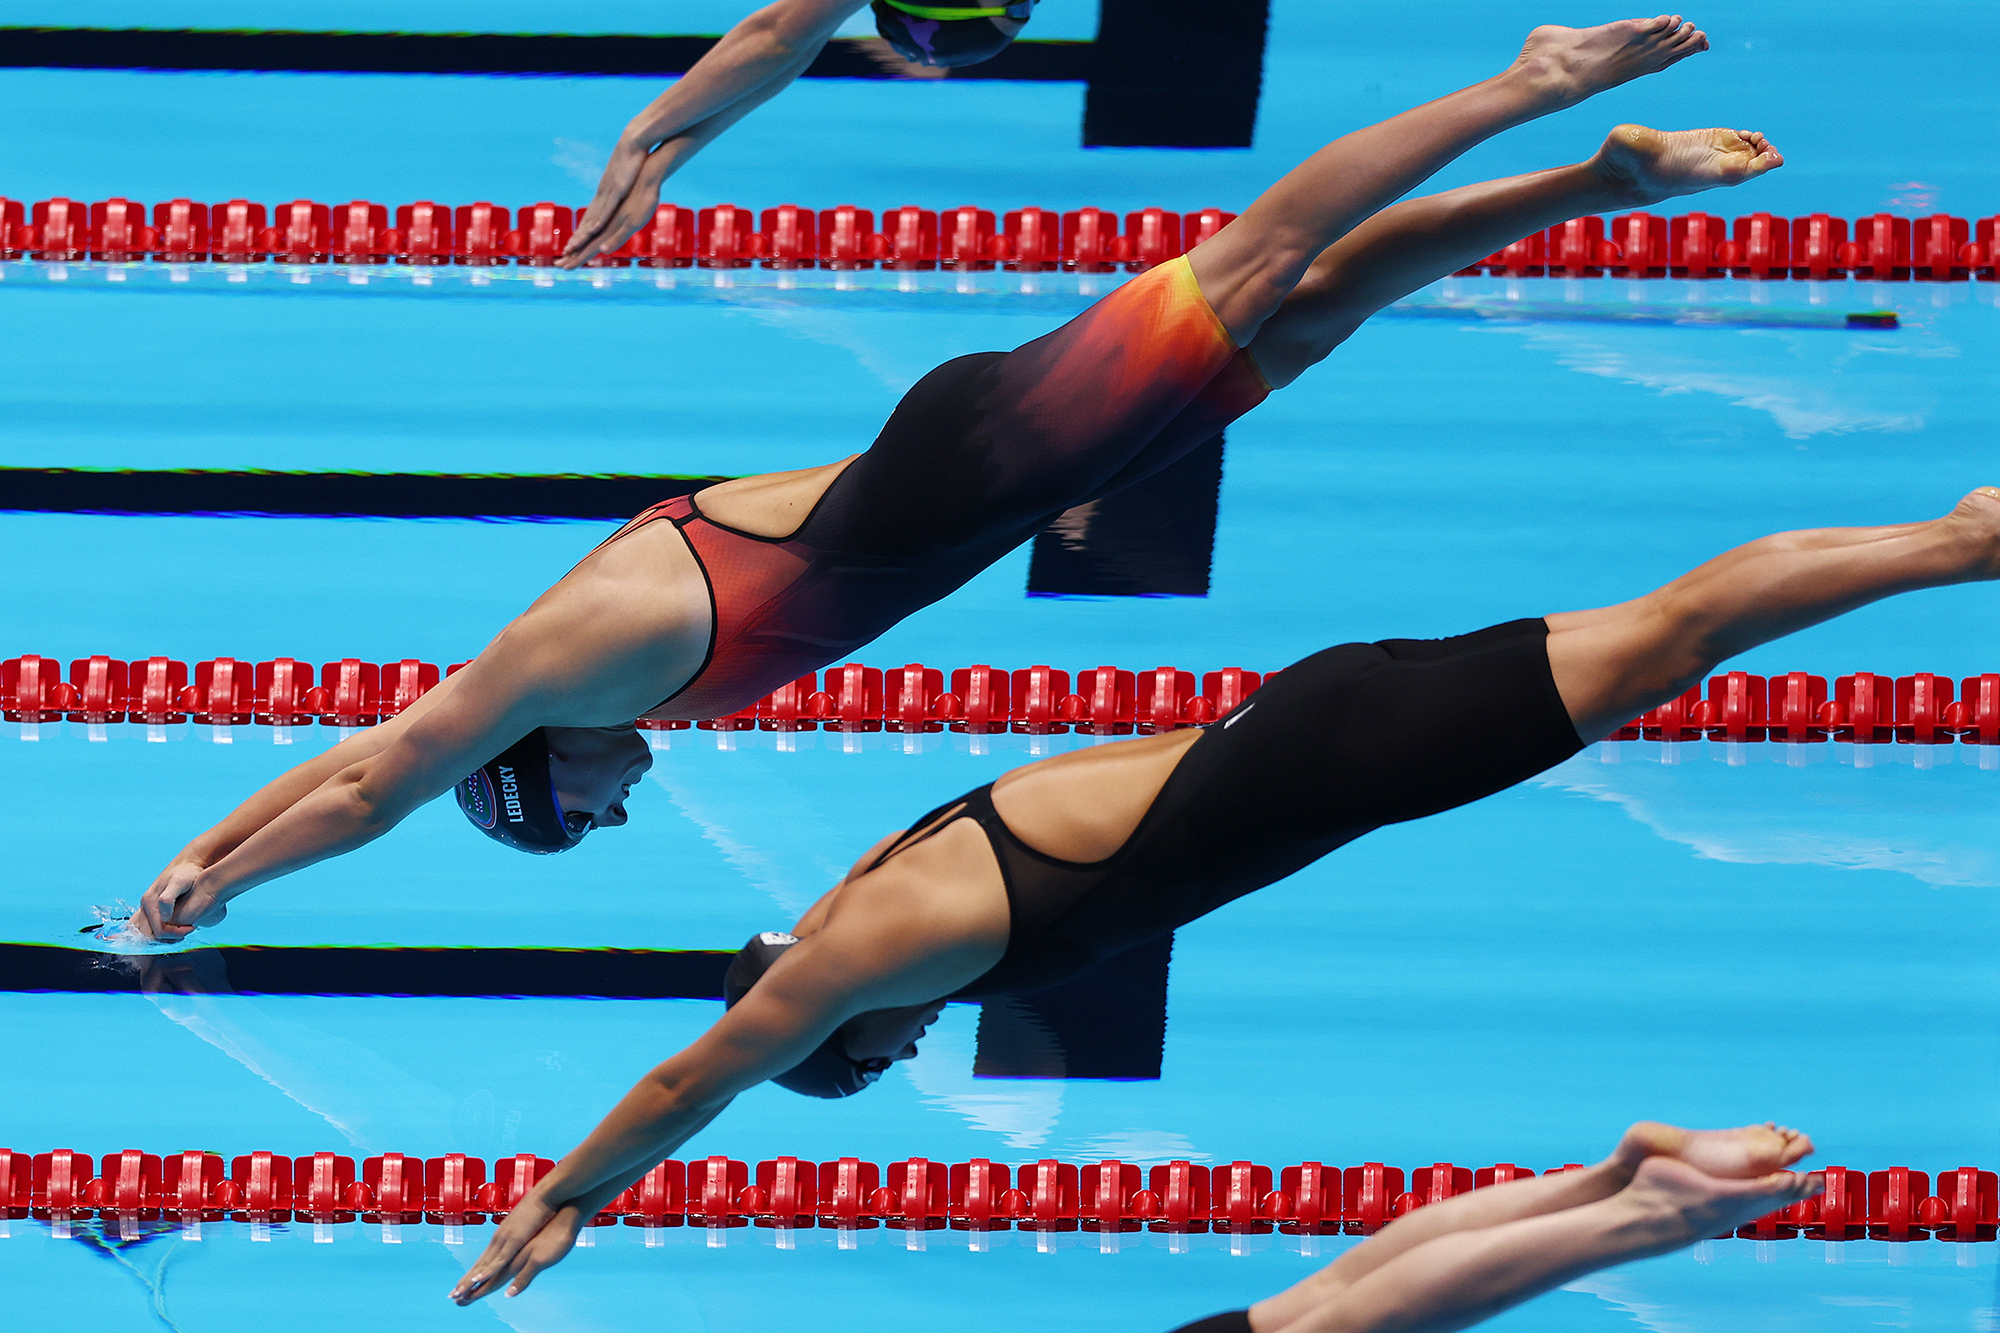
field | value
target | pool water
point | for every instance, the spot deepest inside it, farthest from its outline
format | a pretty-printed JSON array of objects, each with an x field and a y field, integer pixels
[{"x": 1729, "y": 936}]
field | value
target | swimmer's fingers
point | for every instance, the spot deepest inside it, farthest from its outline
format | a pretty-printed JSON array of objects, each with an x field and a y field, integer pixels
[
  {"x": 162, "y": 903},
  {"x": 497, "y": 1263},
  {"x": 546, "y": 1250},
  {"x": 632, "y": 213},
  {"x": 606, "y": 206},
  {"x": 190, "y": 908},
  {"x": 518, "y": 1252}
]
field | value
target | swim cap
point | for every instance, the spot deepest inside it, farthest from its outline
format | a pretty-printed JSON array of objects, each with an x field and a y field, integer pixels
[
  {"x": 829, "y": 1071},
  {"x": 948, "y": 33},
  {"x": 511, "y": 800}
]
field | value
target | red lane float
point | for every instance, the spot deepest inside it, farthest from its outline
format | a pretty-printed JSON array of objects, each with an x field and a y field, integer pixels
[
  {"x": 1882, "y": 247},
  {"x": 724, "y": 236},
  {"x": 1761, "y": 246},
  {"x": 1310, "y": 1198},
  {"x": 285, "y": 691},
  {"x": 1796, "y": 708}
]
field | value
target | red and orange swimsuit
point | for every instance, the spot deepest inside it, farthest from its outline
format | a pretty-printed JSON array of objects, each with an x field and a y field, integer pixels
[{"x": 979, "y": 456}]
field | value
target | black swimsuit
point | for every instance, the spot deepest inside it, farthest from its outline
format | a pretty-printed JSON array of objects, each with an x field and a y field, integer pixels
[{"x": 1345, "y": 741}]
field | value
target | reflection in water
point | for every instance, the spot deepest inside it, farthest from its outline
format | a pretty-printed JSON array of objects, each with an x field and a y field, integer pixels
[
  {"x": 1022, "y": 1111},
  {"x": 1616, "y": 1289},
  {"x": 1938, "y": 827},
  {"x": 125, "y": 1243},
  {"x": 372, "y": 1102},
  {"x": 738, "y": 823},
  {"x": 1810, "y": 383},
  {"x": 1142, "y": 1147}
]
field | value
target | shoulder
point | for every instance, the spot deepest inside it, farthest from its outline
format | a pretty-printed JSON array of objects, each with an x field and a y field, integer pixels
[{"x": 938, "y": 909}]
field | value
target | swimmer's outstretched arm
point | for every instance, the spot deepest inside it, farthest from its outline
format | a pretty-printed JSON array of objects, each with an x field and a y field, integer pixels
[
  {"x": 580, "y": 656},
  {"x": 900, "y": 947},
  {"x": 1463, "y": 1260},
  {"x": 753, "y": 63},
  {"x": 341, "y": 800},
  {"x": 1249, "y": 267}
]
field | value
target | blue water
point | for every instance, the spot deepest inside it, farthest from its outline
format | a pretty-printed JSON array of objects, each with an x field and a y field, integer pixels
[{"x": 1704, "y": 941}]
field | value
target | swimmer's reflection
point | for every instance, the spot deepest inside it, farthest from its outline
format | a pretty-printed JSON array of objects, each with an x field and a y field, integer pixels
[{"x": 183, "y": 972}]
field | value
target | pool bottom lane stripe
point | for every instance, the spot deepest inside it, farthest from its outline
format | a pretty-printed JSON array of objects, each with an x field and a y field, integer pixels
[
  {"x": 1109, "y": 1022},
  {"x": 605, "y": 497},
  {"x": 332, "y": 52},
  {"x": 1154, "y": 539},
  {"x": 626, "y": 974}
]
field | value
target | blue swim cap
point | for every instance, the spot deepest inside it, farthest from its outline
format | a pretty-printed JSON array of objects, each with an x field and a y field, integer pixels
[
  {"x": 947, "y": 34},
  {"x": 513, "y": 801},
  {"x": 829, "y": 1071}
]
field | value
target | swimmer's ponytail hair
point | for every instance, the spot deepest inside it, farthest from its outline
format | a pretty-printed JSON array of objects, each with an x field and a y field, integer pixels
[
  {"x": 829, "y": 1071},
  {"x": 935, "y": 34},
  {"x": 513, "y": 801}
]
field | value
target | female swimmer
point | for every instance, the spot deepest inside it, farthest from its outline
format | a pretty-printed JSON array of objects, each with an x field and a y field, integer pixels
[
  {"x": 754, "y": 62},
  {"x": 704, "y": 604},
  {"x": 1061, "y": 863}
]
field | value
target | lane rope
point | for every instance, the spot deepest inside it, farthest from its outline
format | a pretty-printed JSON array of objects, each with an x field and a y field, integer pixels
[
  {"x": 1881, "y": 247},
  {"x": 1311, "y": 1198},
  {"x": 1864, "y": 708}
]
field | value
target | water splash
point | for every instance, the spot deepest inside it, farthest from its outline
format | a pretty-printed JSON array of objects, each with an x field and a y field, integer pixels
[{"x": 114, "y": 933}]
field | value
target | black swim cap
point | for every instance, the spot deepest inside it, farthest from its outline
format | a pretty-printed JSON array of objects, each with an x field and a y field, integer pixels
[
  {"x": 948, "y": 33},
  {"x": 829, "y": 1071},
  {"x": 511, "y": 800}
]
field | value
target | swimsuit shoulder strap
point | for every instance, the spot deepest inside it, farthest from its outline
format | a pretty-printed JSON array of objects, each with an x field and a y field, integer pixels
[
  {"x": 975, "y": 804},
  {"x": 676, "y": 511}
]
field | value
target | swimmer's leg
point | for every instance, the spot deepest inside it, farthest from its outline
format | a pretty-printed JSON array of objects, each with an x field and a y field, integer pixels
[
  {"x": 1613, "y": 663},
  {"x": 1743, "y": 1153},
  {"x": 1465, "y": 1276},
  {"x": 1255, "y": 262},
  {"x": 1419, "y": 241}
]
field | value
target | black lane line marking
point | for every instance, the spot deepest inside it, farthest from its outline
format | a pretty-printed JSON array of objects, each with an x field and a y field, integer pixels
[
  {"x": 1109, "y": 1022},
  {"x": 1161, "y": 74},
  {"x": 483, "y": 53},
  {"x": 1153, "y": 539},
  {"x": 1176, "y": 74},
  {"x": 626, "y": 974},
  {"x": 337, "y": 494},
  {"x": 1156, "y": 538}
]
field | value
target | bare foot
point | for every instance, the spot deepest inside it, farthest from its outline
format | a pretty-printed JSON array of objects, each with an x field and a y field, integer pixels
[
  {"x": 1570, "y": 64},
  {"x": 1977, "y": 519},
  {"x": 1727, "y": 1154},
  {"x": 1687, "y": 1206},
  {"x": 1651, "y": 165}
]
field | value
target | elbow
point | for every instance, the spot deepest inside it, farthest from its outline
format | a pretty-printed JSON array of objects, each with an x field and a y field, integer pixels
[
  {"x": 682, "y": 1095},
  {"x": 365, "y": 806}
]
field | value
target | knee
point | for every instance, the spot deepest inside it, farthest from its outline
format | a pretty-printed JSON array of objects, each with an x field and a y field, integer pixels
[
  {"x": 1675, "y": 637},
  {"x": 1285, "y": 350}
]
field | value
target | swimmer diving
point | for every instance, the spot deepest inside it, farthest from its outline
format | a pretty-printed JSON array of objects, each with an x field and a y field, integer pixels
[{"x": 706, "y": 603}]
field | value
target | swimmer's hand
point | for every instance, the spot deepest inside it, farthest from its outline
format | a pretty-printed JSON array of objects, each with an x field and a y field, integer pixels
[
  {"x": 626, "y": 196},
  {"x": 177, "y": 903},
  {"x": 532, "y": 1237}
]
